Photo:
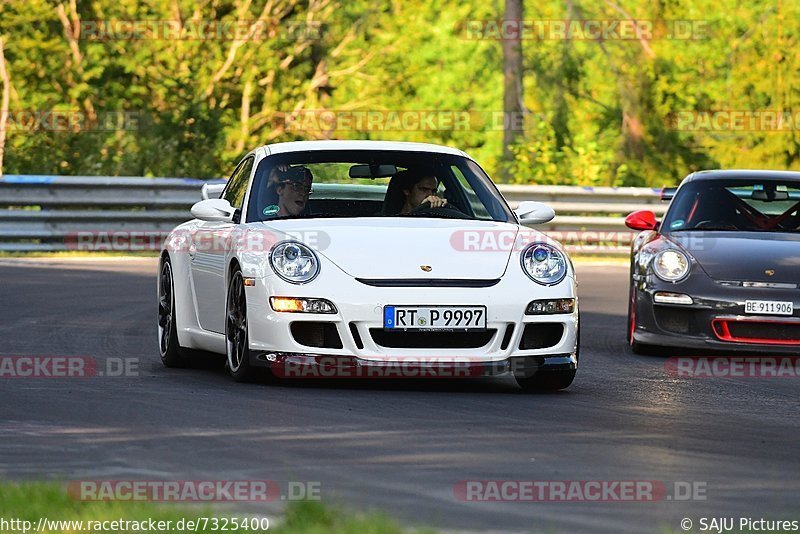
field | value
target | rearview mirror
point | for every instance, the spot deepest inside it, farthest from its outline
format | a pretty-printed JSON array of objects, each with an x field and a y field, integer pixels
[
  {"x": 211, "y": 191},
  {"x": 372, "y": 171},
  {"x": 770, "y": 195},
  {"x": 530, "y": 212},
  {"x": 641, "y": 220},
  {"x": 213, "y": 209}
]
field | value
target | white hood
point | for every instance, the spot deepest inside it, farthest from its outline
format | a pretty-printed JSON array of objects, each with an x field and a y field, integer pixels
[{"x": 380, "y": 247}]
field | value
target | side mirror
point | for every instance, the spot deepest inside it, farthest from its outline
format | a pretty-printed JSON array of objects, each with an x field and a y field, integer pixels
[
  {"x": 211, "y": 191},
  {"x": 530, "y": 212},
  {"x": 213, "y": 209},
  {"x": 641, "y": 220}
]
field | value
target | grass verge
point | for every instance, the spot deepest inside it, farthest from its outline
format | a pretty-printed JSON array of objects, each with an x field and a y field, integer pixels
[{"x": 27, "y": 503}]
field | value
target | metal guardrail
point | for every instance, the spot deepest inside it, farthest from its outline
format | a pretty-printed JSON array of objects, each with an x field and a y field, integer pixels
[{"x": 44, "y": 213}]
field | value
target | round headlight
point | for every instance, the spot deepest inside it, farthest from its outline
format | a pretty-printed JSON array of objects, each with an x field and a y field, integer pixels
[
  {"x": 671, "y": 265},
  {"x": 294, "y": 262},
  {"x": 544, "y": 264}
]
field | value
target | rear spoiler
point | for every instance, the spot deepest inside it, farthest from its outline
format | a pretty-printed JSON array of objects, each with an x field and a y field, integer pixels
[{"x": 667, "y": 193}]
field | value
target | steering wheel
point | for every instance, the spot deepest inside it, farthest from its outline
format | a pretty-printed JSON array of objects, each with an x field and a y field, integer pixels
[{"x": 448, "y": 211}]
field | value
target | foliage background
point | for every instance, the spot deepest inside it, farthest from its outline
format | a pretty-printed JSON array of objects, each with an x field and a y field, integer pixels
[{"x": 598, "y": 111}]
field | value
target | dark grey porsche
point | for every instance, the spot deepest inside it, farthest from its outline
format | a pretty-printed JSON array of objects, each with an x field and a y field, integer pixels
[{"x": 722, "y": 270}]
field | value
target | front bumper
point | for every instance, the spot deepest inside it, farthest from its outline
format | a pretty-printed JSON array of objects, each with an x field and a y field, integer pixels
[
  {"x": 358, "y": 322},
  {"x": 716, "y": 320},
  {"x": 294, "y": 365}
]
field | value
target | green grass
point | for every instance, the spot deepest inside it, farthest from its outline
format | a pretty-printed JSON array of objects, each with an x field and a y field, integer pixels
[{"x": 30, "y": 501}]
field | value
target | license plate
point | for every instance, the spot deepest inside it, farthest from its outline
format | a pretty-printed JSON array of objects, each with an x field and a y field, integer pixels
[
  {"x": 434, "y": 317},
  {"x": 768, "y": 307}
]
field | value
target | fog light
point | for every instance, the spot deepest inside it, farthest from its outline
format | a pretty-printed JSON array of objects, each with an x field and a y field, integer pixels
[
  {"x": 550, "y": 306},
  {"x": 301, "y": 305},
  {"x": 663, "y": 297}
]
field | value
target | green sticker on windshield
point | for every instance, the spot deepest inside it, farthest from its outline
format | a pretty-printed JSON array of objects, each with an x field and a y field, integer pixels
[
  {"x": 676, "y": 224},
  {"x": 271, "y": 210}
]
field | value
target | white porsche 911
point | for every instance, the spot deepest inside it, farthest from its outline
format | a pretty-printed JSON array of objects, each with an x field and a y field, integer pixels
[{"x": 383, "y": 255}]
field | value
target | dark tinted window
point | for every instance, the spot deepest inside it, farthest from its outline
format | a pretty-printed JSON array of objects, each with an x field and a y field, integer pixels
[{"x": 756, "y": 205}]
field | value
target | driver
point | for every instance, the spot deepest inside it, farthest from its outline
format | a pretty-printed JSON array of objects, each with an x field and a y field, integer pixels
[{"x": 411, "y": 188}]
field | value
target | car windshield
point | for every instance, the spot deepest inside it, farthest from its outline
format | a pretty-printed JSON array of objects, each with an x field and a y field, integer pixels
[
  {"x": 756, "y": 205},
  {"x": 373, "y": 183}
]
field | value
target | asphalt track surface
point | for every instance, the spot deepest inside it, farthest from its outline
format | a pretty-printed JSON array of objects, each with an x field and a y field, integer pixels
[{"x": 398, "y": 447}]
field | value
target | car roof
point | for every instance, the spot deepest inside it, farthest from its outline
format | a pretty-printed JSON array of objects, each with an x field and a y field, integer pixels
[
  {"x": 741, "y": 174},
  {"x": 300, "y": 146}
]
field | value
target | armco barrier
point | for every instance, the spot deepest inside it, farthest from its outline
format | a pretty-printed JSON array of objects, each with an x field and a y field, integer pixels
[{"x": 41, "y": 213}]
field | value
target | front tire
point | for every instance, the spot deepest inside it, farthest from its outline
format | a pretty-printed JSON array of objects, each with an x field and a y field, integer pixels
[
  {"x": 546, "y": 380},
  {"x": 554, "y": 380},
  {"x": 637, "y": 347},
  {"x": 237, "y": 339},
  {"x": 171, "y": 353}
]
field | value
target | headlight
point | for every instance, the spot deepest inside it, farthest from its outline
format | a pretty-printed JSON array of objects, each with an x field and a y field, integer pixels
[
  {"x": 544, "y": 264},
  {"x": 671, "y": 265},
  {"x": 294, "y": 262}
]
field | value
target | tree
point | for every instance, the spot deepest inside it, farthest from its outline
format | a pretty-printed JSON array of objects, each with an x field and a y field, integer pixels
[
  {"x": 4, "y": 102},
  {"x": 512, "y": 81}
]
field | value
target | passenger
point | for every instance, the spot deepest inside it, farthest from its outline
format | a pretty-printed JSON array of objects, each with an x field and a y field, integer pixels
[{"x": 292, "y": 186}]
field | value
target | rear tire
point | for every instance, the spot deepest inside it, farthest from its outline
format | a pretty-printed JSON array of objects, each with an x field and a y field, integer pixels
[{"x": 631, "y": 315}]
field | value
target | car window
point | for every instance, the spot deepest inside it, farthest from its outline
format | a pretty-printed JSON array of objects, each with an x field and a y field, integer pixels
[
  {"x": 372, "y": 183},
  {"x": 758, "y": 205},
  {"x": 237, "y": 184},
  {"x": 768, "y": 200},
  {"x": 475, "y": 203}
]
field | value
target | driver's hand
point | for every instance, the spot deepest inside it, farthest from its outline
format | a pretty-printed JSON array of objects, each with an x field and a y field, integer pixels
[{"x": 436, "y": 202}]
